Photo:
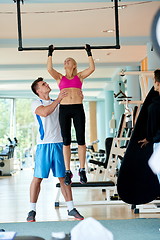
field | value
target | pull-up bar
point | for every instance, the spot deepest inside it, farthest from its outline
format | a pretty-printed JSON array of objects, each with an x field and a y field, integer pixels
[{"x": 21, "y": 48}]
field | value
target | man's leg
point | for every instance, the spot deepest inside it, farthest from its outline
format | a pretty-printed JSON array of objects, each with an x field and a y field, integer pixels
[
  {"x": 67, "y": 159},
  {"x": 67, "y": 156},
  {"x": 67, "y": 194},
  {"x": 34, "y": 193}
]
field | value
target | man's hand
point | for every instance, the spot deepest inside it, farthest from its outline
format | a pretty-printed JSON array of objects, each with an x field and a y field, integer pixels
[
  {"x": 50, "y": 51},
  {"x": 81, "y": 94},
  {"x": 61, "y": 95},
  {"x": 143, "y": 142}
]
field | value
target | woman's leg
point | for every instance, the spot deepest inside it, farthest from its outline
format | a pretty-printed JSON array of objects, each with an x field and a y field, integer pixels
[
  {"x": 65, "y": 124},
  {"x": 82, "y": 155},
  {"x": 79, "y": 124}
]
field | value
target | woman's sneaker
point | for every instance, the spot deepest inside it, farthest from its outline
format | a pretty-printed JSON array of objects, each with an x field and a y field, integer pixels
[
  {"x": 68, "y": 176},
  {"x": 82, "y": 174},
  {"x": 75, "y": 214},
  {"x": 31, "y": 216}
]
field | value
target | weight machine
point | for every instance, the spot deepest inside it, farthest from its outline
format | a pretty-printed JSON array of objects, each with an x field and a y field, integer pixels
[{"x": 7, "y": 158}]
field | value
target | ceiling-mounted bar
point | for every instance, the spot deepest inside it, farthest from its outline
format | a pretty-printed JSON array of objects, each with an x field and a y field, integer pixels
[
  {"x": 19, "y": 25},
  {"x": 21, "y": 48},
  {"x": 116, "y": 23},
  {"x": 66, "y": 48}
]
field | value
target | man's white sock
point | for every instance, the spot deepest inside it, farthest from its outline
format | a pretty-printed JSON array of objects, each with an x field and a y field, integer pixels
[
  {"x": 70, "y": 205},
  {"x": 32, "y": 206}
]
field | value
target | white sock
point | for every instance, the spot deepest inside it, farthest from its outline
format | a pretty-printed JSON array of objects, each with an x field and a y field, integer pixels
[
  {"x": 32, "y": 206},
  {"x": 70, "y": 205}
]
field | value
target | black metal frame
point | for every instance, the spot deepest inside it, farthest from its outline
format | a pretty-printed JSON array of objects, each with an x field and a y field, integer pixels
[{"x": 21, "y": 48}]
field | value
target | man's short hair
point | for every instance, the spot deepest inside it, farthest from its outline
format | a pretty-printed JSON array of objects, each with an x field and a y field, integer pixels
[
  {"x": 34, "y": 85},
  {"x": 157, "y": 75}
]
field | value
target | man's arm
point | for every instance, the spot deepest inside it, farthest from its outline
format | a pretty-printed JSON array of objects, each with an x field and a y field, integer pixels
[{"x": 44, "y": 111}]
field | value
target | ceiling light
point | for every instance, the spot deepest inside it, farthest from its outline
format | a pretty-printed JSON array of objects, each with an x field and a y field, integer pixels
[
  {"x": 108, "y": 31},
  {"x": 122, "y": 7}
]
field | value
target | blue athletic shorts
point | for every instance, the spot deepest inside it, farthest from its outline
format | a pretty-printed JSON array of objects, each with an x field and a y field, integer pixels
[{"x": 49, "y": 156}]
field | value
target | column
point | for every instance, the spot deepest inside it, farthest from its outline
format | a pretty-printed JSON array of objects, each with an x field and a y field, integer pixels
[
  {"x": 93, "y": 122},
  {"x": 133, "y": 86},
  {"x": 101, "y": 127},
  {"x": 109, "y": 108}
]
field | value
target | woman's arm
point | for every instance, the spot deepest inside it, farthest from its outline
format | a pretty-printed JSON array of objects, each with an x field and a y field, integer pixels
[
  {"x": 56, "y": 75},
  {"x": 85, "y": 73}
]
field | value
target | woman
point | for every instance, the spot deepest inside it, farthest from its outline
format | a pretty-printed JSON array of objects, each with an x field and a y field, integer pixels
[{"x": 71, "y": 107}]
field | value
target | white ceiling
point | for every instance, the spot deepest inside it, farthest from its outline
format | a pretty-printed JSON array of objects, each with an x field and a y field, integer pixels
[{"x": 71, "y": 23}]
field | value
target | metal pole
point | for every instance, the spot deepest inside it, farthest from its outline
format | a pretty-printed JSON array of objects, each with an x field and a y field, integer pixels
[
  {"x": 19, "y": 26},
  {"x": 65, "y": 48},
  {"x": 116, "y": 24}
]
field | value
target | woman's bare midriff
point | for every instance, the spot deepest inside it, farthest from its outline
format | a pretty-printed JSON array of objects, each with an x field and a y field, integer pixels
[{"x": 74, "y": 96}]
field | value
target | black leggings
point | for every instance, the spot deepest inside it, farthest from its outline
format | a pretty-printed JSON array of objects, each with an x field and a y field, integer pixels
[{"x": 75, "y": 112}]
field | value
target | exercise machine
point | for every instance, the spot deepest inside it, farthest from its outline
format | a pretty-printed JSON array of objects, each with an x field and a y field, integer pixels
[{"x": 7, "y": 158}]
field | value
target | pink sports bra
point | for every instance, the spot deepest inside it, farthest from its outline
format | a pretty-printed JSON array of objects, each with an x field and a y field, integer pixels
[{"x": 70, "y": 83}]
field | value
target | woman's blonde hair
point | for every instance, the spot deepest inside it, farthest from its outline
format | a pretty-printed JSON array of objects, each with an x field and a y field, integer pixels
[{"x": 75, "y": 63}]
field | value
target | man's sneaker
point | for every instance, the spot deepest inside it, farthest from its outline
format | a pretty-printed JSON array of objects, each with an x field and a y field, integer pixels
[
  {"x": 75, "y": 214},
  {"x": 68, "y": 176},
  {"x": 31, "y": 216},
  {"x": 83, "y": 178}
]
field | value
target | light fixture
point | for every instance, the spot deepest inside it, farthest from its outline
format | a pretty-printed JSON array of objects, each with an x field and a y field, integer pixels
[
  {"x": 108, "y": 31},
  {"x": 122, "y": 7}
]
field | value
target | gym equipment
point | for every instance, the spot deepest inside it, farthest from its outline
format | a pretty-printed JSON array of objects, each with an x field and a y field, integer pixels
[
  {"x": 109, "y": 187},
  {"x": 7, "y": 158},
  {"x": 136, "y": 183},
  {"x": 21, "y": 48},
  {"x": 110, "y": 174},
  {"x": 99, "y": 160}
]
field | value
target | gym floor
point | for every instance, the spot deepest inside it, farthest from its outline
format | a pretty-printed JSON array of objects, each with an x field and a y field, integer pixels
[{"x": 14, "y": 203}]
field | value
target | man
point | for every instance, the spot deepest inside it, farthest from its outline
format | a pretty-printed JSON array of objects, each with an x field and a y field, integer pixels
[
  {"x": 49, "y": 154},
  {"x": 153, "y": 123}
]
